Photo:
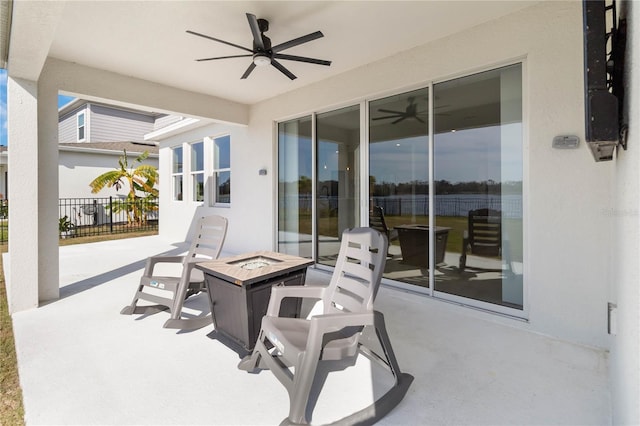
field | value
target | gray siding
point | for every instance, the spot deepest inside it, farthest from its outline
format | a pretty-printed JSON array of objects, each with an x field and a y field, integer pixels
[
  {"x": 108, "y": 124},
  {"x": 67, "y": 132},
  {"x": 166, "y": 120}
]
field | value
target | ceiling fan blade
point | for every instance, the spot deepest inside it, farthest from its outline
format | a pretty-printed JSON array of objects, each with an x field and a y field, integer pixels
[
  {"x": 420, "y": 119},
  {"x": 255, "y": 30},
  {"x": 282, "y": 69},
  {"x": 248, "y": 71},
  {"x": 219, "y": 41},
  {"x": 386, "y": 117},
  {"x": 297, "y": 41},
  {"x": 223, "y": 57},
  {"x": 390, "y": 111},
  {"x": 398, "y": 120},
  {"x": 301, "y": 59}
]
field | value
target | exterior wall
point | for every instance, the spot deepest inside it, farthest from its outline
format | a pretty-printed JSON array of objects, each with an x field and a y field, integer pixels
[
  {"x": 111, "y": 124},
  {"x": 567, "y": 234},
  {"x": 165, "y": 121},
  {"x": 67, "y": 126},
  {"x": 105, "y": 124},
  {"x": 625, "y": 216},
  {"x": 77, "y": 169},
  {"x": 176, "y": 219}
]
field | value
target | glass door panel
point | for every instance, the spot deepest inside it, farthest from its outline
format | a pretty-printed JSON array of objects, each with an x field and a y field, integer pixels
[
  {"x": 294, "y": 187},
  {"x": 478, "y": 186},
  {"x": 338, "y": 179},
  {"x": 399, "y": 182}
]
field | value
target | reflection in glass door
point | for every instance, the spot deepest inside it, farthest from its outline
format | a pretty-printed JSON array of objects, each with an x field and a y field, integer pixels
[
  {"x": 478, "y": 186},
  {"x": 399, "y": 182},
  {"x": 337, "y": 180},
  {"x": 294, "y": 187},
  {"x": 467, "y": 184}
]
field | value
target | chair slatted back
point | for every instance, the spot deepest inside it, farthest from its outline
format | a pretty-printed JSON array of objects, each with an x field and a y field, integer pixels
[
  {"x": 376, "y": 220},
  {"x": 358, "y": 271},
  {"x": 485, "y": 232},
  {"x": 209, "y": 238}
]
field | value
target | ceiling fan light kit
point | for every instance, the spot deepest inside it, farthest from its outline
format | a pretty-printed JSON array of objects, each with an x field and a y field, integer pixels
[{"x": 263, "y": 53}]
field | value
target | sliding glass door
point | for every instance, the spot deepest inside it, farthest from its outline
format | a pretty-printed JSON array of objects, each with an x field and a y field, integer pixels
[
  {"x": 338, "y": 179},
  {"x": 295, "y": 174},
  {"x": 444, "y": 181},
  {"x": 399, "y": 182},
  {"x": 478, "y": 186}
]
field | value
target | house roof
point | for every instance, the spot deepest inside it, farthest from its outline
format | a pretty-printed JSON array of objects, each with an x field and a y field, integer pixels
[{"x": 112, "y": 147}]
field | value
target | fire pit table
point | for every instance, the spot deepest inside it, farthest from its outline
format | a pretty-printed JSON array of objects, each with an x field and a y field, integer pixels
[{"x": 239, "y": 290}]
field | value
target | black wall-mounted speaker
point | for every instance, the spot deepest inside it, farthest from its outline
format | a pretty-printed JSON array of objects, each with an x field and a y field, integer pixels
[{"x": 601, "y": 106}]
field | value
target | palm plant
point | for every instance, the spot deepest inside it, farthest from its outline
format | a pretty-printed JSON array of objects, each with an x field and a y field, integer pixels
[{"x": 140, "y": 178}]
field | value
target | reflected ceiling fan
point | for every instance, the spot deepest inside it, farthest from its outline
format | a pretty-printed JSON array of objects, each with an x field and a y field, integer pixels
[
  {"x": 263, "y": 53},
  {"x": 411, "y": 111}
]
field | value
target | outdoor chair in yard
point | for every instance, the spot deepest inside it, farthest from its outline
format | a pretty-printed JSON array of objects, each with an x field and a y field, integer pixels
[
  {"x": 483, "y": 237},
  {"x": 206, "y": 245},
  {"x": 378, "y": 222},
  {"x": 333, "y": 337}
]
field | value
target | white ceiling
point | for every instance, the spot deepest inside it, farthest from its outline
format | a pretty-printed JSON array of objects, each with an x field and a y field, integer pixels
[{"x": 147, "y": 39}]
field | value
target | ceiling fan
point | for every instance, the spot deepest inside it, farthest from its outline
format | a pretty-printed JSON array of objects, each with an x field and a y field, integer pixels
[
  {"x": 263, "y": 53},
  {"x": 411, "y": 111}
]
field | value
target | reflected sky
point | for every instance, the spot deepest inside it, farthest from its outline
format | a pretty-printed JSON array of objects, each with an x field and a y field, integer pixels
[{"x": 463, "y": 156}]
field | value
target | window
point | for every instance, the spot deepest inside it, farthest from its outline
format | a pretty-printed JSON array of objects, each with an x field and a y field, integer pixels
[
  {"x": 197, "y": 171},
  {"x": 222, "y": 170},
  {"x": 176, "y": 173},
  {"x": 81, "y": 126}
]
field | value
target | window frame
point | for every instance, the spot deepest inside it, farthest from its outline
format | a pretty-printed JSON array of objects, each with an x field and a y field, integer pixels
[
  {"x": 215, "y": 171},
  {"x": 175, "y": 174},
  {"x": 82, "y": 127},
  {"x": 193, "y": 173}
]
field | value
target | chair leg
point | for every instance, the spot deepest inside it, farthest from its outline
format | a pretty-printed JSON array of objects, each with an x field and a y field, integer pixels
[{"x": 305, "y": 374}]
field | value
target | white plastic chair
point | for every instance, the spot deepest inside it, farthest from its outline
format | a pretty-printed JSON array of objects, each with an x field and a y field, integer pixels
[
  {"x": 333, "y": 335},
  {"x": 206, "y": 245}
]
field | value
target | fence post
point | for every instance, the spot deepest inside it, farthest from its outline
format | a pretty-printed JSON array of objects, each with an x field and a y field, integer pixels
[{"x": 111, "y": 214}]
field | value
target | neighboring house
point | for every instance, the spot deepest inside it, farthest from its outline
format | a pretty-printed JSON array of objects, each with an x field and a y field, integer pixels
[
  {"x": 294, "y": 164},
  {"x": 93, "y": 137}
]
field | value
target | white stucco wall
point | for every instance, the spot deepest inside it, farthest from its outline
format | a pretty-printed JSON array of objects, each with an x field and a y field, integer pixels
[
  {"x": 625, "y": 216},
  {"x": 567, "y": 195},
  {"x": 176, "y": 218},
  {"x": 78, "y": 169}
]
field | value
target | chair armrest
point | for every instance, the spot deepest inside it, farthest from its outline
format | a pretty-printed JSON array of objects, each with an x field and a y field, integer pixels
[
  {"x": 325, "y": 328},
  {"x": 153, "y": 260},
  {"x": 336, "y": 321},
  {"x": 280, "y": 292}
]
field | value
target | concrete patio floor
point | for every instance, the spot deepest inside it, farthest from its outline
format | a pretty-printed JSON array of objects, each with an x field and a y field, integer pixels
[{"x": 82, "y": 363}]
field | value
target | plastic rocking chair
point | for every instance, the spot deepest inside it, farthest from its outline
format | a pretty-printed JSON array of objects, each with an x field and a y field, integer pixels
[
  {"x": 207, "y": 244},
  {"x": 335, "y": 334}
]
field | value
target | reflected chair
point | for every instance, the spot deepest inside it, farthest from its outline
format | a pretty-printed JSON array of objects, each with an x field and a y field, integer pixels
[
  {"x": 483, "y": 236},
  {"x": 377, "y": 222},
  {"x": 206, "y": 245},
  {"x": 333, "y": 336}
]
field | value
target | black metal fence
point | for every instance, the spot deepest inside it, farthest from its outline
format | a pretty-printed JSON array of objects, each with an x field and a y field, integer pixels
[
  {"x": 445, "y": 205},
  {"x": 81, "y": 217}
]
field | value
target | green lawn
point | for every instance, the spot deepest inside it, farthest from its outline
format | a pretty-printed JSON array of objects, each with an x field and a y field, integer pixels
[{"x": 513, "y": 227}]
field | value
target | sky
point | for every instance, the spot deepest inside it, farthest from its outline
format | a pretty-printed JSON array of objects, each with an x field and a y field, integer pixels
[{"x": 62, "y": 100}]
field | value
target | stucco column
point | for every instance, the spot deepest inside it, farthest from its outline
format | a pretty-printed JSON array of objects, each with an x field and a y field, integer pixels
[
  {"x": 32, "y": 271},
  {"x": 48, "y": 267}
]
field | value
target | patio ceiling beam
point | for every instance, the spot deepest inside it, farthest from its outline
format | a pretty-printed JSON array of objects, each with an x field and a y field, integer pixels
[
  {"x": 98, "y": 84},
  {"x": 28, "y": 44}
]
